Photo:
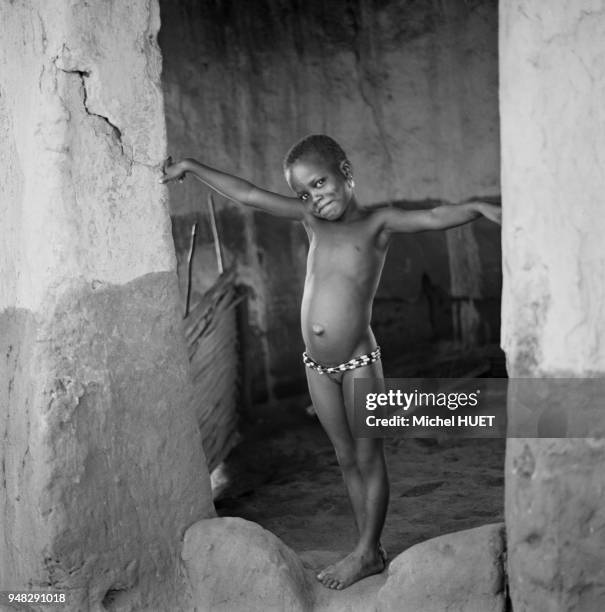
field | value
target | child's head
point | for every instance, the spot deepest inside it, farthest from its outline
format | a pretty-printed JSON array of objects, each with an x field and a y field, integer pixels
[
  {"x": 315, "y": 144},
  {"x": 318, "y": 171}
]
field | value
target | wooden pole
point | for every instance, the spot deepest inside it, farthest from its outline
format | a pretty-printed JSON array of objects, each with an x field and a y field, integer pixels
[
  {"x": 189, "y": 267},
  {"x": 217, "y": 243}
]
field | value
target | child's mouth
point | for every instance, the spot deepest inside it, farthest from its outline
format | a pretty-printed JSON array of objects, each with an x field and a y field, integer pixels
[{"x": 325, "y": 208}]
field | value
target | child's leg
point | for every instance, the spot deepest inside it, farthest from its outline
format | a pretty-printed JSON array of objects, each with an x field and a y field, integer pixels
[
  {"x": 366, "y": 558},
  {"x": 369, "y": 454},
  {"x": 330, "y": 409}
]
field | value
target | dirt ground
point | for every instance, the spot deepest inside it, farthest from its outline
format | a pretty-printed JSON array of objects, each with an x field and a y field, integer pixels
[{"x": 284, "y": 476}]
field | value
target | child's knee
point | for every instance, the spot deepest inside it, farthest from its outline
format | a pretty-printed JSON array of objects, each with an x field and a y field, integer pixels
[
  {"x": 347, "y": 459},
  {"x": 369, "y": 460}
]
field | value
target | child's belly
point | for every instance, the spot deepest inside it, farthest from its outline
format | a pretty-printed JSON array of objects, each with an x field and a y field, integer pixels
[{"x": 335, "y": 318}]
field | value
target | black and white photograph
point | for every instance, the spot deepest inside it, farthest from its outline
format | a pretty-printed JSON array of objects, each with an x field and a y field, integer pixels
[{"x": 301, "y": 305}]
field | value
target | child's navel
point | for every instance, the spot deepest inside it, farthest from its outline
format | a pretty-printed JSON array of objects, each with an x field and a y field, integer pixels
[{"x": 318, "y": 330}]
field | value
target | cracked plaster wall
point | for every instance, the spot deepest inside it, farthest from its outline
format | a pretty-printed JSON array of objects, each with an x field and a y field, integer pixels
[
  {"x": 408, "y": 88},
  {"x": 552, "y": 65},
  {"x": 98, "y": 438}
]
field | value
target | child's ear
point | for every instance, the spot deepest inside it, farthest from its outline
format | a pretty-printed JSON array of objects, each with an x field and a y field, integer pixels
[{"x": 346, "y": 168}]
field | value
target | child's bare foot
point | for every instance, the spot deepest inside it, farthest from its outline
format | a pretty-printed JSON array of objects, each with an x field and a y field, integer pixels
[
  {"x": 382, "y": 553},
  {"x": 352, "y": 568}
]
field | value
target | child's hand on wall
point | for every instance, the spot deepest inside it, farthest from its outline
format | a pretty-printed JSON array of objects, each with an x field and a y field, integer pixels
[
  {"x": 491, "y": 212},
  {"x": 172, "y": 171}
]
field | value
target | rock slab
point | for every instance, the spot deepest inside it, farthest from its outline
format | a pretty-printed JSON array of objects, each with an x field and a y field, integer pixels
[
  {"x": 457, "y": 572},
  {"x": 233, "y": 564}
]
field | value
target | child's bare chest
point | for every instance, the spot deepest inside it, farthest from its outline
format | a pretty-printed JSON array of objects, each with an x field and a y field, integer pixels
[{"x": 343, "y": 249}]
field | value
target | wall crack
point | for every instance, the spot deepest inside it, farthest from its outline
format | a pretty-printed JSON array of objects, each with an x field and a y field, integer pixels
[{"x": 115, "y": 130}]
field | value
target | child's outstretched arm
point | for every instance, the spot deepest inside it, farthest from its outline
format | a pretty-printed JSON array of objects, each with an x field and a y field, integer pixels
[
  {"x": 234, "y": 188},
  {"x": 438, "y": 218}
]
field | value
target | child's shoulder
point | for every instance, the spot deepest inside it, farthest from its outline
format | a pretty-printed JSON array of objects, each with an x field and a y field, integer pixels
[{"x": 375, "y": 213}]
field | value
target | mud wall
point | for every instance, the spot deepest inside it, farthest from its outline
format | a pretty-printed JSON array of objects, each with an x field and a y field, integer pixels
[
  {"x": 552, "y": 84},
  {"x": 410, "y": 91},
  {"x": 101, "y": 468}
]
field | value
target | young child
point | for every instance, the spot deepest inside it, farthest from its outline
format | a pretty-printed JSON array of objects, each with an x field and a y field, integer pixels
[{"x": 348, "y": 244}]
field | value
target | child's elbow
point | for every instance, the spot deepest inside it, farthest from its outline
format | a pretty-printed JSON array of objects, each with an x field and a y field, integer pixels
[
  {"x": 248, "y": 194},
  {"x": 435, "y": 219}
]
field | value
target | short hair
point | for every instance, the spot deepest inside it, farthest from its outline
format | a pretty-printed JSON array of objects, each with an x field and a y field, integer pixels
[{"x": 325, "y": 146}]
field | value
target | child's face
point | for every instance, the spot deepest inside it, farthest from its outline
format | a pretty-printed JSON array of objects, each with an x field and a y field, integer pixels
[{"x": 321, "y": 186}]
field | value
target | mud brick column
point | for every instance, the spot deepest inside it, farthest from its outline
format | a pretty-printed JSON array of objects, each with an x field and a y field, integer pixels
[
  {"x": 552, "y": 70},
  {"x": 101, "y": 465}
]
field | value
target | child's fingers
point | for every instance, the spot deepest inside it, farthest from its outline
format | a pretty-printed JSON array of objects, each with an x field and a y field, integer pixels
[
  {"x": 167, "y": 179},
  {"x": 167, "y": 162},
  {"x": 171, "y": 172}
]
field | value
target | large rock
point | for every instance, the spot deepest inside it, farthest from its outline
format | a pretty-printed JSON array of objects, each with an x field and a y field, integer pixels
[
  {"x": 101, "y": 462},
  {"x": 234, "y": 565},
  {"x": 457, "y": 572}
]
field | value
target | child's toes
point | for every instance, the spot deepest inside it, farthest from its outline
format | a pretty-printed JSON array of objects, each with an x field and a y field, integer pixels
[
  {"x": 324, "y": 573},
  {"x": 327, "y": 580}
]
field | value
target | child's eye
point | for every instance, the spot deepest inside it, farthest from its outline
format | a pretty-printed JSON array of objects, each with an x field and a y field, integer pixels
[
  {"x": 320, "y": 182},
  {"x": 304, "y": 196}
]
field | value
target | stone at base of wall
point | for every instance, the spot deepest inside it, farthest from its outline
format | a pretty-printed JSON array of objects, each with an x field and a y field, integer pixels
[
  {"x": 233, "y": 564},
  {"x": 458, "y": 572}
]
